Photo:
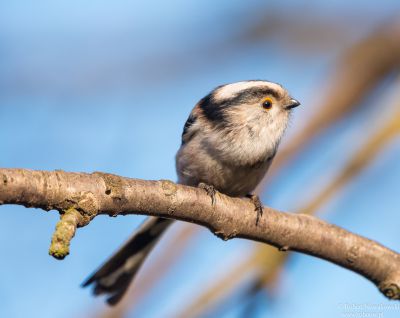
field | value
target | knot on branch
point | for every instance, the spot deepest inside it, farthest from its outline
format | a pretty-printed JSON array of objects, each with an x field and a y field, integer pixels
[
  {"x": 225, "y": 235},
  {"x": 170, "y": 189},
  {"x": 83, "y": 202},
  {"x": 352, "y": 254},
  {"x": 114, "y": 188},
  {"x": 390, "y": 289},
  {"x": 87, "y": 207},
  {"x": 4, "y": 179}
]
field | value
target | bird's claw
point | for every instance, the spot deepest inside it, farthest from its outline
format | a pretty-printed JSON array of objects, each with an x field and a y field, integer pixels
[
  {"x": 257, "y": 206},
  {"x": 210, "y": 191}
]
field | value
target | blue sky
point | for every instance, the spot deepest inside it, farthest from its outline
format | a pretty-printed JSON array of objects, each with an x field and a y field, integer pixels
[{"x": 100, "y": 86}]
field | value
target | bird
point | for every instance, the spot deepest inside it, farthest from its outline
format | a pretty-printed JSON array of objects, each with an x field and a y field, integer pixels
[{"x": 228, "y": 144}]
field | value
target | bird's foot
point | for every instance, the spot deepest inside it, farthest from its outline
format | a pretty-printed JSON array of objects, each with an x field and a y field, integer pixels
[
  {"x": 210, "y": 191},
  {"x": 257, "y": 205}
]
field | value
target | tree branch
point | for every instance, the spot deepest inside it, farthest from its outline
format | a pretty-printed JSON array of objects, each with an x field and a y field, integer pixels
[{"x": 102, "y": 193}]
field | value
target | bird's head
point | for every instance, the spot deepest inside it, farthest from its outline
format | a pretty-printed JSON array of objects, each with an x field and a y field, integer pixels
[
  {"x": 246, "y": 120},
  {"x": 249, "y": 103}
]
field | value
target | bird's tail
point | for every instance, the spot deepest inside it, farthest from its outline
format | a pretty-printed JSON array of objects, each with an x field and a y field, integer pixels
[{"x": 113, "y": 278}]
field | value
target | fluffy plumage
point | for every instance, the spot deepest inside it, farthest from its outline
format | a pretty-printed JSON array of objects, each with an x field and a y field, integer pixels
[{"x": 228, "y": 141}]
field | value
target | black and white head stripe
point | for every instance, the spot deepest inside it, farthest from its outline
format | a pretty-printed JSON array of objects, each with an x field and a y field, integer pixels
[
  {"x": 189, "y": 123},
  {"x": 230, "y": 91},
  {"x": 225, "y": 96}
]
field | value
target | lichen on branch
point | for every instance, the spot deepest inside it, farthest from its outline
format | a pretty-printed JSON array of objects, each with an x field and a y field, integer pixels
[{"x": 64, "y": 232}]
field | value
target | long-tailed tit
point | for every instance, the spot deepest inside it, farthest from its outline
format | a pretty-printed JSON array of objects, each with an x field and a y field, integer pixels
[{"x": 228, "y": 144}]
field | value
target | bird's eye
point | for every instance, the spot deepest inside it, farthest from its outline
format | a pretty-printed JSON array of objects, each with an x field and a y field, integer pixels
[{"x": 267, "y": 103}]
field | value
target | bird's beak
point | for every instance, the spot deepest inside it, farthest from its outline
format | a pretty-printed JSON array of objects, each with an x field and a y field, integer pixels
[{"x": 292, "y": 104}]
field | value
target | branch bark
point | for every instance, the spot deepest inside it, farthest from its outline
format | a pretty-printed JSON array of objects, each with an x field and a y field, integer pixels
[{"x": 102, "y": 193}]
